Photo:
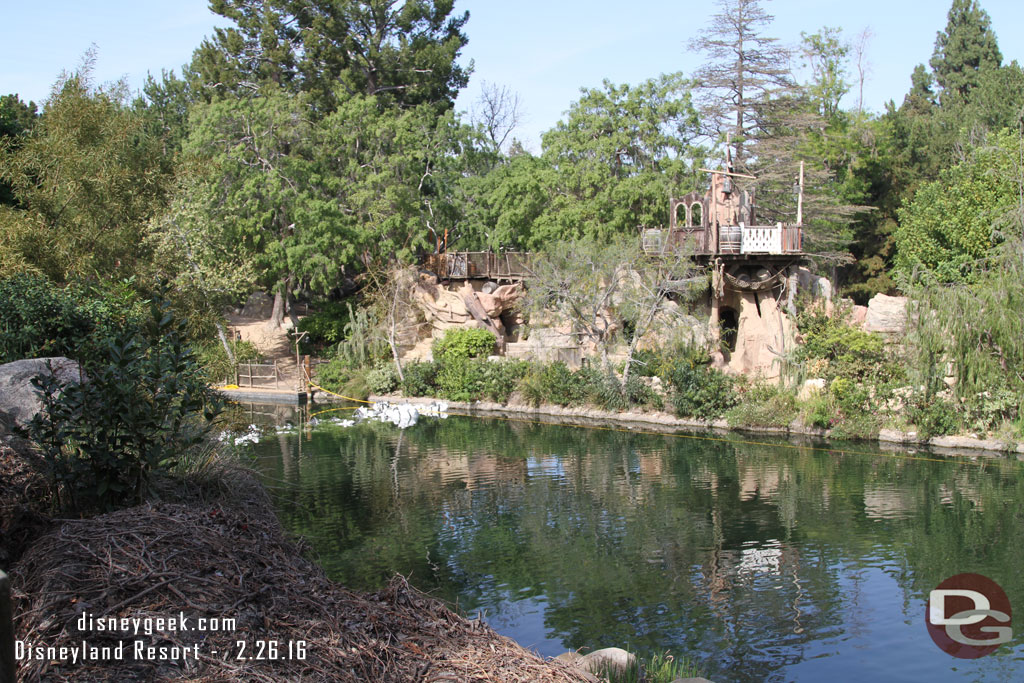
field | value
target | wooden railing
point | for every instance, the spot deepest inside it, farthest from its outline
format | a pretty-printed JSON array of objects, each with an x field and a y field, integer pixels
[
  {"x": 468, "y": 265},
  {"x": 247, "y": 374}
]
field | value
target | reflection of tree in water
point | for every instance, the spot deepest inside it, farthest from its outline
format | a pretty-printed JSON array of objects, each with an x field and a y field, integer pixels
[{"x": 657, "y": 542}]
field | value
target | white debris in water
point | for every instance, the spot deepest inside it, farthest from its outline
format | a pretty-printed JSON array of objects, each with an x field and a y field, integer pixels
[
  {"x": 401, "y": 415},
  {"x": 250, "y": 436}
]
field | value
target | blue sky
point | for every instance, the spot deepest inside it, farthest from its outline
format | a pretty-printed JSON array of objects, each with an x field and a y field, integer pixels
[{"x": 544, "y": 50}]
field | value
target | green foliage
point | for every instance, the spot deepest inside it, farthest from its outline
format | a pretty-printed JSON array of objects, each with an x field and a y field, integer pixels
[
  {"x": 473, "y": 379},
  {"x": 461, "y": 343},
  {"x": 933, "y": 416},
  {"x": 364, "y": 341},
  {"x": 39, "y": 319},
  {"x": 86, "y": 182},
  {"x": 420, "y": 378},
  {"x": 850, "y": 352},
  {"x": 326, "y": 326},
  {"x": 974, "y": 331},
  {"x": 216, "y": 365},
  {"x": 382, "y": 379},
  {"x": 964, "y": 51},
  {"x": 144, "y": 405},
  {"x": 952, "y": 223},
  {"x": 700, "y": 391},
  {"x": 763, "y": 404}
]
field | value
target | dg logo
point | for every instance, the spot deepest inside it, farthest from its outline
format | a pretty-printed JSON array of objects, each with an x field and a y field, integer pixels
[{"x": 968, "y": 616}]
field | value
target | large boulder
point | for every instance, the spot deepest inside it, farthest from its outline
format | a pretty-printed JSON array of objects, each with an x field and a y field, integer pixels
[
  {"x": 607, "y": 660},
  {"x": 19, "y": 400},
  {"x": 886, "y": 314}
]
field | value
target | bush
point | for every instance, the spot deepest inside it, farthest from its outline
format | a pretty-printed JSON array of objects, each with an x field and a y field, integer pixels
[
  {"x": 461, "y": 379},
  {"x": 932, "y": 417},
  {"x": 420, "y": 379},
  {"x": 145, "y": 405},
  {"x": 216, "y": 365},
  {"x": 501, "y": 378},
  {"x": 383, "y": 379},
  {"x": 700, "y": 391},
  {"x": 460, "y": 343},
  {"x": 39, "y": 319},
  {"x": 327, "y": 325},
  {"x": 850, "y": 352},
  {"x": 764, "y": 405},
  {"x": 333, "y": 374}
]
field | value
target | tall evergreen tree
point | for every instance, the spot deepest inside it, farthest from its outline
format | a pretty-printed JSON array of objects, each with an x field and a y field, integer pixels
[
  {"x": 745, "y": 70},
  {"x": 964, "y": 51},
  {"x": 403, "y": 53}
]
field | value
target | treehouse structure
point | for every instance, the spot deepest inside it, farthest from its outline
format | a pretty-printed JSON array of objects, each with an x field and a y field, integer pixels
[{"x": 754, "y": 268}]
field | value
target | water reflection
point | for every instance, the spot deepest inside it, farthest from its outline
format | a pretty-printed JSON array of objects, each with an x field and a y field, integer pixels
[{"x": 764, "y": 562}]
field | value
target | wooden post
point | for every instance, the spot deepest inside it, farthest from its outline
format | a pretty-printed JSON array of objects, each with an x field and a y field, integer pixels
[
  {"x": 800, "y": 198},
  {"x": 7, "y": 664}
]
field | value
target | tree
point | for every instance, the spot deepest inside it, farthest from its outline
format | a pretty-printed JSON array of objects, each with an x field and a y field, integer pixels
[
  {"x": 402, "y": 52},
  {"x": 498, "y": 111},
  {"x": 618, "y": 156},
  {"x": 16, "y": 120},
  {"x": 964, "y": 51},
  {"x": 825, "y": 52},
  {"x": 744, "y": 72},
  {"x": 85, "y": 181},
  {"x": 951, "y": 225}
]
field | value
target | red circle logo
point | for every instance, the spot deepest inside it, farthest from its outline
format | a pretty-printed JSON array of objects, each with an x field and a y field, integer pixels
[{"x": 968, "y": 616}]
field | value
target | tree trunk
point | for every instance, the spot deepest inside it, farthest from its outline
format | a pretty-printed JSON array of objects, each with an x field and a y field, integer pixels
[
  {"x": 280, "y": 301},
  {"x": 224, "y": 342}
]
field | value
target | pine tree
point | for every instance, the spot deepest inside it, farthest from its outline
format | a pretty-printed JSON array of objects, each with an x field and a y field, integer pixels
[
  {"x": 964, "y": 51},
  {"x": 744, "y": 72}
]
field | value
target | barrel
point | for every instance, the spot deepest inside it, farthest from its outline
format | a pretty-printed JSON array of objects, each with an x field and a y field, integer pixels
[{"x": 729, "y": 237}]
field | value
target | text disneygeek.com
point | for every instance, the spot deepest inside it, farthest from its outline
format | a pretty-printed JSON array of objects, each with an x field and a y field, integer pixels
[{"x": 140, "y": 650}]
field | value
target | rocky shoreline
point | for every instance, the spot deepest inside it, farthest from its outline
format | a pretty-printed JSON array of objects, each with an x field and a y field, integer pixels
[{"x": 888, "y": 439}]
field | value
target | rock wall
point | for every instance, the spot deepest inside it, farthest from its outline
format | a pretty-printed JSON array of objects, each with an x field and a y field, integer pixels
[{"x": 20, "y": 401}]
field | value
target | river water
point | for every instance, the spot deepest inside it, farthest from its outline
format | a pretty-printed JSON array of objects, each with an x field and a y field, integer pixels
[{"x": 759, "y": 561}]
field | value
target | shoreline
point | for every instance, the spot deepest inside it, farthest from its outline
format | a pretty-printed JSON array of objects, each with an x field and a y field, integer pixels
[{"x": 888, "y": 439}]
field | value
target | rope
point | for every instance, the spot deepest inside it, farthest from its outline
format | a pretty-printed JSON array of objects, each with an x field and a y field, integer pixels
[{"x": 347, "y": 398}]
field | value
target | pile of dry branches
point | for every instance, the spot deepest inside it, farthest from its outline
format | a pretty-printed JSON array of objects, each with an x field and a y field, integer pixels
[{"x": 208, "y": 560}]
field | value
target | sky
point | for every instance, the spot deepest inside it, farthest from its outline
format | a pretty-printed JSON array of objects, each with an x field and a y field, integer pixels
[{"x": 544, "y": 50}]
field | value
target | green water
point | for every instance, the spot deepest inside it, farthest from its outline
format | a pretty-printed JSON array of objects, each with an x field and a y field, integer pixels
[{"x": 760, "y": 562}]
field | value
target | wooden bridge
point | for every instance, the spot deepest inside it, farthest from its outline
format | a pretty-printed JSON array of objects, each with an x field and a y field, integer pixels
[{"x": 510, "y": 266}]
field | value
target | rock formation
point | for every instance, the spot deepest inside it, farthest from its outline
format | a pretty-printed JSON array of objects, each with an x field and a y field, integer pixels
[{"x": 20, "y": 401}]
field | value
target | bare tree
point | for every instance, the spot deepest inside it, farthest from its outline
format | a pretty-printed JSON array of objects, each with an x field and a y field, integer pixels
[
  {"x": 860, "y": 47},
  {"x": 745, "y": 71},
  {"x": 498, "y": 110}
]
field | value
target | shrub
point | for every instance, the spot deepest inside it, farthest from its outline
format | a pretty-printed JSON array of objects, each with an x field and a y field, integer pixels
[
  {"x": 461, "y": 343},
  {"x": 145, "y": 405},
  {"x": 461, "y": 379},
  {"x": 39, "y": 319},
  {"x": 932, "y": 417},
  {"x": 700, "y": 391},
  {"x": 383, "y": 379},
  {"x": 501, "y": 378},
  {"x": 215, "y": 363},
  {"x": 327, "y": 325},
  {"x": 420, "y": 379},
  {"x": 333, "y": 374},
  {"x": 764, "y": 405},
  {"x": 850, "y": 352}
]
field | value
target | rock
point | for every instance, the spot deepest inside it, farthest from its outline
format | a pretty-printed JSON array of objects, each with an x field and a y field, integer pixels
[
  {"x": 858, "y": 314},
  {"x": 810, "y": 388},
  {"x": 19, "y": 400},
  {"x": 886, "y": 314},
  {"x": 608, "y": 658},
  {"x": 569, "y": 657},
  {"x": 258, "y": 305},
  {"x": 818, "y": 287}
]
